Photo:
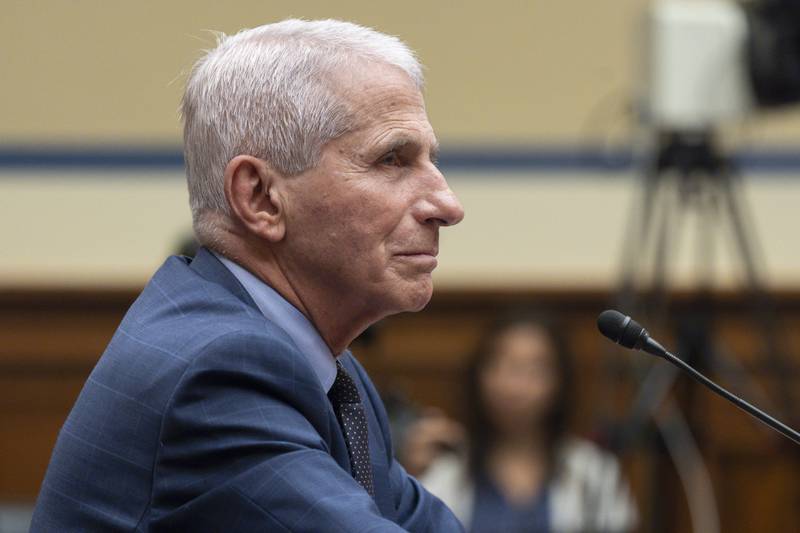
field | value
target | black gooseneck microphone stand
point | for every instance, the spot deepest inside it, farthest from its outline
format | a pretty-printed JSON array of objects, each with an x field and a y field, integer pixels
[{"x": 626, "y": 332}]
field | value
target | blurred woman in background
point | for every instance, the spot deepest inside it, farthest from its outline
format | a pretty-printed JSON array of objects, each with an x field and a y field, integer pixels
[{"x": 522, "y": 472}]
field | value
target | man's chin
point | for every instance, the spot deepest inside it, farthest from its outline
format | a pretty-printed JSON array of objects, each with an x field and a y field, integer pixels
[{"x": 417, "y": 295}]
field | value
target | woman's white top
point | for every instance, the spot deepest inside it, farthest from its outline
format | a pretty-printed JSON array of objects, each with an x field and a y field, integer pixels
[{"x": 587, "y": 493}]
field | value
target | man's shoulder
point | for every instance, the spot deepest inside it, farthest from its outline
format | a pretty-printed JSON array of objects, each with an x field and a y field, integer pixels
[
  {"x": 177, "y": 296},
  {"x": 179, "y": 291},
  {"x": 186, "y": 335},
  {"x": 180, "y": 318}
]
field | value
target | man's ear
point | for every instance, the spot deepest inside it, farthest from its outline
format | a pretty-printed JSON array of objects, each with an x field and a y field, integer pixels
[{"x": 250, "y": 188}]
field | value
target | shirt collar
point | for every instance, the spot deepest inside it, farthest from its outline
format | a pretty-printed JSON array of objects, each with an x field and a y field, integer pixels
[{"x": 278, "y": 310}]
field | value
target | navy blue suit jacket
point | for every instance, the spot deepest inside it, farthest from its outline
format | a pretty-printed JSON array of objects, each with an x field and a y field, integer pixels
[{"x": 202, "y": 415}]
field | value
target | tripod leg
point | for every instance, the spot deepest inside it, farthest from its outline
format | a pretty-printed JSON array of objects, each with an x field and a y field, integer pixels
[
  {"x": 660, "y": 209},
  {"x": 658, "y": 380},
  {"x": 741, "y": 238},
  {"x": 764, "y": 310},
  {"x": 641, "y": 220},
  {"x": 663, "y": 243},
  {"x": 708, "y": 221},
  {"x": 637, "y": 236}
]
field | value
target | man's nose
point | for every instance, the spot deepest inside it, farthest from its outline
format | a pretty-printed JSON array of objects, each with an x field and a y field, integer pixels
[
  {"x": 443, "y": 207},
  {"x": 450, "y": 208}
]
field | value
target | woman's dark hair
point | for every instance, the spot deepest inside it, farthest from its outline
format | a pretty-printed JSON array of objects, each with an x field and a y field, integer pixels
[{"x": 479, "y": 427}]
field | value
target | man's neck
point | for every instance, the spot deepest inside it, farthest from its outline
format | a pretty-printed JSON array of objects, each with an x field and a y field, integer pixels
[{"x": 335, "y": 324}]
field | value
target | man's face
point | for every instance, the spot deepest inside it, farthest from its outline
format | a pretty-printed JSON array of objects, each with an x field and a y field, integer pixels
[{"x": 363, "y": 224}]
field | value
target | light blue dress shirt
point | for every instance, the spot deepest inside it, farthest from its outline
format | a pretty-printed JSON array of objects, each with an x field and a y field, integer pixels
[{"x": 287, "y": 317}]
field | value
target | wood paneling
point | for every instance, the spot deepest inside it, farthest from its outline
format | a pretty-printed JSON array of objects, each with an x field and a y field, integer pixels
[{"x": 49, "y": 341}]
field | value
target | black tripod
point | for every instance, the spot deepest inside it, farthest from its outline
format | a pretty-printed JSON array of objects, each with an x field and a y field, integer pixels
[{"x": 688, "y": 175}]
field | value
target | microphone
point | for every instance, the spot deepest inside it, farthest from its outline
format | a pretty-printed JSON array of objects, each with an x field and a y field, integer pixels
[{"x": 626, "y": 332}]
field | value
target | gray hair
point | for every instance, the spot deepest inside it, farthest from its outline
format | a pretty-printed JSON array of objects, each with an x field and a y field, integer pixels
[{"x": 268, "y": 92}]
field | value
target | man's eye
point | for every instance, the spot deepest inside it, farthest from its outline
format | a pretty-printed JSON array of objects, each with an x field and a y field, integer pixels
[{"x": 390, "y": 159}]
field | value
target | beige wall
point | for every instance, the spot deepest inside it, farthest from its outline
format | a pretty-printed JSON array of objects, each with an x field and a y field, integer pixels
[
  {"x": 520, "y": 231},
  {"x": 500, "y": 71},
  {"x": 497, "y": 70},
  {"x": 556, "y": 72}
]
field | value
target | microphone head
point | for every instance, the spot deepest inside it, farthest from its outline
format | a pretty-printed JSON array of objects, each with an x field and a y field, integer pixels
[{"x": 621, "y": 329}]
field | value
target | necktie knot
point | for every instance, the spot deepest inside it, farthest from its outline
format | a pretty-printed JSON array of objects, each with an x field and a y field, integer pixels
[{"x": 344, "y": 389}]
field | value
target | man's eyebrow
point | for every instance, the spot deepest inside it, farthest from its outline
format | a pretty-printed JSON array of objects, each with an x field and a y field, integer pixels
[
  {"x": 397, "y": 143},
  {"x": 400, "y": 142}
]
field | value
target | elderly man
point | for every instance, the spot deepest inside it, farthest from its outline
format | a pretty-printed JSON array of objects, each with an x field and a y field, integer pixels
[{"x": 227, "y": 399}]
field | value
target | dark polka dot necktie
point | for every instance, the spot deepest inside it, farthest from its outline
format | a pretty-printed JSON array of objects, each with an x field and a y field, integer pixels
[{"x": 350, "y": 413}]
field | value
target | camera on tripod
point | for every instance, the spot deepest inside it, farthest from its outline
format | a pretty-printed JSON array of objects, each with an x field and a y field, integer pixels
[{"x": 708, "y": 62}]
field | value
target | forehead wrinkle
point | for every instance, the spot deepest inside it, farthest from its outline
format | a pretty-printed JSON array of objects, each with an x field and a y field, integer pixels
[
  {"x": 382, "y": 110},
  {"x": 385, "y": 116},
  {"x": 383, "y": 103},
  {"x": 399, "y": 131}
]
